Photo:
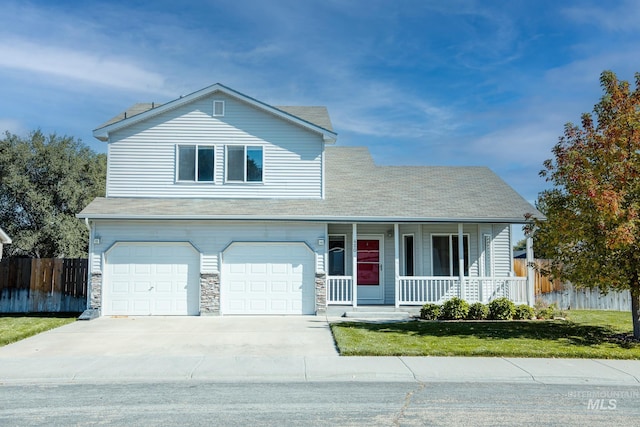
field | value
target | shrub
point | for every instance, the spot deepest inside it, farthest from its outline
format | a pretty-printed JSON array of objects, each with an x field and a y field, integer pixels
[
  {"x": 430, "y": 311},
  {"x": 454, "y": 309},
  {"x": 524, "y": 312},
  {"x": 478, "y": 311},
  {"x": 501, "y": 309},
  {"x": 546, "y": 311}
]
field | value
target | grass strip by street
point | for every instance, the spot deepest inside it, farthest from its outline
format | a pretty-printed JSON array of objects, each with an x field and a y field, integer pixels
[
  {"x": 18, "y": 327},
  {"x": 584, "y": 334}
]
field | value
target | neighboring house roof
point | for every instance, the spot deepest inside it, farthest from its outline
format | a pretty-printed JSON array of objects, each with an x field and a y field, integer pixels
[
  {"x": 307, "y": 117},
  {"x": 356, "y": 190},
  {"x": 4, "y": 238}
]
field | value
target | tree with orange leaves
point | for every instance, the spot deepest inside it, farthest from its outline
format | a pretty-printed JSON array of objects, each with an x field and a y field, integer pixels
[{"x": 592, "y": 230}]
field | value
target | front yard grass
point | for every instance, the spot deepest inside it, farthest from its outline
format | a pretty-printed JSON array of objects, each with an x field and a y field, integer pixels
[
  {"x": 17, "y": 327},
  {"x": 585, "y": 334}
]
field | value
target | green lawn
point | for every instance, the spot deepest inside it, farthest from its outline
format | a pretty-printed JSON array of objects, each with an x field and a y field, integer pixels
[
  {"x": 585, "y": 334},
  {"x": 18, "y": 327}
]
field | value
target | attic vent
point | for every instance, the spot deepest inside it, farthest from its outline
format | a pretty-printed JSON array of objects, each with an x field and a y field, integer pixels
[{"x": 218, "y": 108}]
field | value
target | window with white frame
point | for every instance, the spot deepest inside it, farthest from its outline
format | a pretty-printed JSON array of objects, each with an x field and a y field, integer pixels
[
  {"x": 337, "y": 255},
  {"x": 408, "y": 252},
  {"x": 195, "y": 163},
  {"x": 244, "y": 163},
  {"x": 444, "y": 254}
]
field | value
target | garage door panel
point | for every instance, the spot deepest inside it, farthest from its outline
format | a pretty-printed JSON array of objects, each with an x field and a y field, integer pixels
[
  {"x": 276, "y": 279},
  {"x": 151, "y": 278}
]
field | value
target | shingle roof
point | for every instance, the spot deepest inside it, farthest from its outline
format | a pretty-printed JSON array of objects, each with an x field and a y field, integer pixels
[
  {"x": 135, "y": 109},
  {"x": 317, "y": 115},
  {"x": 356, "y": 190}
]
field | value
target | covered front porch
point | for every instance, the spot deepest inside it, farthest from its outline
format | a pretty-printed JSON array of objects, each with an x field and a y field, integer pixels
[{"x": 408, "y": 264}]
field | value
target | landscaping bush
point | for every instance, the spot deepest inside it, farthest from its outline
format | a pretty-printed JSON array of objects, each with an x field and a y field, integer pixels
[
  {"x": 478, "y": 311},
  {"x": 544, "y": 311},
  {"x": 524, "y": 312},
  {"x": 501, "y": 309},
  {"x": 430, "y": 311},
  {"x": 454, "y": 309}
]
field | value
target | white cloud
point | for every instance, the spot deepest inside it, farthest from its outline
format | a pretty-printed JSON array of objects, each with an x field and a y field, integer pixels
[
  {"x": 11, "y": 125},
  {"x": 619, "y": 16},
  {"x": 78, "y": 66}
]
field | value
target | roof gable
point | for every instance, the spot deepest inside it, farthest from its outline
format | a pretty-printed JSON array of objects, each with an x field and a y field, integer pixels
[{"x": 143, "y": 111}]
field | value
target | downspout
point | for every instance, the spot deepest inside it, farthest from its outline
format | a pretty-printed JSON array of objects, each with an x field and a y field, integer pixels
[
  {"x": 90, "y": 228},
  {"x": 461, "y": 259}
]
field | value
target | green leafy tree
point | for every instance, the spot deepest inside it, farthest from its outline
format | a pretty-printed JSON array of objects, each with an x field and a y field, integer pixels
[
  {"x": 592, "y": 231},
  {"x": 44, "y": 182}
]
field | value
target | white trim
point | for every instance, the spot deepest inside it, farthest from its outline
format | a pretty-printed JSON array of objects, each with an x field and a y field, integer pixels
[
  {"x": 354, "y": 264},
  {"x": 396, "y": 263},
  {"x": 195, "y": 180},
  {"x": 245, "y": 148},
  {"x": 403, "y": 258},
  {"x": 103, "y": 133},
  {"x": 344, "y": 266},
  {"x": 490, "y": 253},
  {"x": 218, "y": 102},
  {"x": 453, "y": 257}
]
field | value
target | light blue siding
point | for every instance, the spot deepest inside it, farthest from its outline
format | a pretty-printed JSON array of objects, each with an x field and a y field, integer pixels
[
  {"x": 142, "y": 157},
  {"x": 209, "y": 237}
]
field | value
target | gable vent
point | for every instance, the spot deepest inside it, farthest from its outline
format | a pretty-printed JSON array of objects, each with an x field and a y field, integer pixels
[{"x": 218, "y": 108}]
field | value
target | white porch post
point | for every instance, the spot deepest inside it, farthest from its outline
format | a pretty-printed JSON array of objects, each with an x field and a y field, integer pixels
[
  {"x": 354, "y": 266},
  {"x": 461, "y": 259},
  {"x": 396, "y": 245},
  {"x": 531, "y": 278}
]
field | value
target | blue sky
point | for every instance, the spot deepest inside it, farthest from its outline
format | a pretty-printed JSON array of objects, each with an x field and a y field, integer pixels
[{"x": 419, "y": 82}]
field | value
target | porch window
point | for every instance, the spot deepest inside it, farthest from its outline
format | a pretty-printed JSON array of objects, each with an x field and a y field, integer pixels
[
  {"x": 444, "y": 250},
  {"x": 195, "y": 163},
  {"x": 244, "y": 163},
  {"x": 408, "y": 249},
  {"x": 337, "y": 255}
]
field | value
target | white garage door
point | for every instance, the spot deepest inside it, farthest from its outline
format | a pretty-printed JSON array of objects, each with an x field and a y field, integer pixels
[
  {"x": 268, "y": 278},
  {"x": 151, "y": 279}
]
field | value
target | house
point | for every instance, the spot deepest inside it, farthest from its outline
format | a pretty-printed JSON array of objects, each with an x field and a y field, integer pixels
[
  {"x": 4, "y": 240},
  {"x": 218, "y": 203}
]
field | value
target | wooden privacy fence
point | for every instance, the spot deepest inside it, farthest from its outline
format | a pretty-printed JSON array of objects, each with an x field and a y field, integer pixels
[
  {"x": 568, "y": 297},
  {"x": 43, "y": 285},
  {"x": 542, "y": 283}
]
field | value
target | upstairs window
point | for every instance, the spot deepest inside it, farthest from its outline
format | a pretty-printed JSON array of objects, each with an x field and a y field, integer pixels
[
  {"x": 195, "y": 163},
  {"x": 244, "y": 163}
]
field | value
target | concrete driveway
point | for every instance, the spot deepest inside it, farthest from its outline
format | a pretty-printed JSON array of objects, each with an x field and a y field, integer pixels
[
  {"x": 193, "y": 336},
  {"x": 231, "y": 348}
]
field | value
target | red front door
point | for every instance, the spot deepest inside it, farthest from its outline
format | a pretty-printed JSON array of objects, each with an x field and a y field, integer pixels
[
  {"x": 369, "y": 262},
  {"x": 370, "y": 272}
]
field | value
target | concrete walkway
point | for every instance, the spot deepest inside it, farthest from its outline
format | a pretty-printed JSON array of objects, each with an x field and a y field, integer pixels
[{"x": 260, "y": 349}]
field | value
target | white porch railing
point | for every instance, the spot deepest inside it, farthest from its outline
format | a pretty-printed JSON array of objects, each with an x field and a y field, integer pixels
[
  {"x": 419, "y": 290},
  {"x": 339, "y": 290},
  {"x": 435, "y": 289}
]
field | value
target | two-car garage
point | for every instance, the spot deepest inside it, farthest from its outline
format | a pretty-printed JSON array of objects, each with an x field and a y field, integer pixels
[{"x": 163, "y": 278}]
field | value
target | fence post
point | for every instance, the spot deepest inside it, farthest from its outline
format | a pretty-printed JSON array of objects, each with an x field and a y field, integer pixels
[{"x": 531, "y": 277}]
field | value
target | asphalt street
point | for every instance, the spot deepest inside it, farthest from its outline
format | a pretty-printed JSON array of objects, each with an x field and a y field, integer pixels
[{"x": 319, "y": 404}]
